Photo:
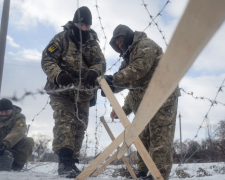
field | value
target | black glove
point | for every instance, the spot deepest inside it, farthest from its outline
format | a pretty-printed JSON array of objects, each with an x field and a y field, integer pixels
[
  {"x": 2, "y": 149},
  {"x": 109, "y": 79},
  {"x": 90, "y": 77},
  {"x": 65, "y": 79}
]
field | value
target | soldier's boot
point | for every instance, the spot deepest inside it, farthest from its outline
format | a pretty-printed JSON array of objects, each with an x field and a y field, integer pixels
[
  {"x": 139, "y": 175},
  {"x": 65, "y": 168},
  {"x": 78, "y": 171},
  {"x": 17, "y": 167}
]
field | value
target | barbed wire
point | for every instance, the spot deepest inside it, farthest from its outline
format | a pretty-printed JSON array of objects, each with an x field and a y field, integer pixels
[
  {"x": 96, "y": 130},
  {"x": 201, "y": 97},
  {"x": 85, "y": 149},
  {"x": 28, "y": 126},
  {"x": 204, "y": 119},
  {"x": 80, "y": 88},
  {"x": 80, "y": 67},
  {"x": 153, "y": 20},
  {"x": 212, "y": 104},
  {"x": 102, "y": 28},
  {"x": 134, "y": 43}
]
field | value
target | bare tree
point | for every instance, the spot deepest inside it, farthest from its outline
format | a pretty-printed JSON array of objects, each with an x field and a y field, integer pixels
[{"x": 40, "y": 146}]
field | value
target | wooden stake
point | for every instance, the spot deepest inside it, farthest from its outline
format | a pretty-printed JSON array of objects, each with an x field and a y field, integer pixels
[{"x": 199, "y": 22}]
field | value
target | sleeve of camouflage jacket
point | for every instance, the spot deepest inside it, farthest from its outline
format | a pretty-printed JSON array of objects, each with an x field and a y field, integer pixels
[
  {"x": 18, "y": 131},
  {"x": 50, "y": 58},
  {"x": 97, "y": 61},
  {"x": 143, "y": 59},
  {"x": 122, "y": 86},
  {"x": 126, "y": 107}
]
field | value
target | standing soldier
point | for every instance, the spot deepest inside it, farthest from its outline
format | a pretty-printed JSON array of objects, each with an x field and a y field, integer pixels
[
  {"x": 13, "y": 131},
  {"x": 140, "y": 61},
  {"x": 64, "y": 64}
]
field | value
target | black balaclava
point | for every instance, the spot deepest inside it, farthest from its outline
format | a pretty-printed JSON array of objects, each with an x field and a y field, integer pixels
[
  {"x": 86, "y": 18},
  {"x": 122, "y": 30},
  {"x": 5, "y": 104}
]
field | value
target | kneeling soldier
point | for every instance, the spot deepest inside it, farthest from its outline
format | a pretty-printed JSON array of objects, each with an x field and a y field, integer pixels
[{"x": 12, "y": 134}]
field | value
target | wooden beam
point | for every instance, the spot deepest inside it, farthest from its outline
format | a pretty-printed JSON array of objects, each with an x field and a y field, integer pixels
[
  {"x": 199, "y": 22},
  {"x": 124, "y": 120},
  {"x": 114, "y": 155}
]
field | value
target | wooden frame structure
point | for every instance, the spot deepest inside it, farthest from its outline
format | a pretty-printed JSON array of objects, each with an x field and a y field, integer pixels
[
  {"x": 115, "y": 144},
  {"x": 199, "y": 22}
]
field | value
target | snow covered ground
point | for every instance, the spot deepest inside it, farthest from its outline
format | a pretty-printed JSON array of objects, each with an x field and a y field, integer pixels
[{"x": 48, "y": 171}]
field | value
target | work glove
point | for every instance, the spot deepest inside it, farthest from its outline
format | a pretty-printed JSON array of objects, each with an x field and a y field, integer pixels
[
  {"x": 90, "y": 77},
  {"x": 65, "y": 79},
  {"x": 109, "y": 79},
  {"x": 2, "y": 149}
]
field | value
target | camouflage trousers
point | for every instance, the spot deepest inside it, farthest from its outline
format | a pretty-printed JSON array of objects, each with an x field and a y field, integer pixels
[
  {"x": 158, "y": 136},
  {"x": 71, "y": 121},
  {"x": 23, "y": 150}
]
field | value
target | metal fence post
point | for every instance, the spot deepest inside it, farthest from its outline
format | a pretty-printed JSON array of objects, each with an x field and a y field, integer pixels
[{"x": 3, "y": 35}]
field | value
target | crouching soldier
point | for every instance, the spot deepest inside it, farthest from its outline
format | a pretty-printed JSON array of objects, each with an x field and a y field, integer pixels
[{"x": 12, "y": 134}]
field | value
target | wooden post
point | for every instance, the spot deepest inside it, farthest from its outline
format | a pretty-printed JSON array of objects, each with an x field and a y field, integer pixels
[
  {"x": 199, "y": 22},
  {"x": 111, "y": 159},
  {"x": 3, "y": 35}
]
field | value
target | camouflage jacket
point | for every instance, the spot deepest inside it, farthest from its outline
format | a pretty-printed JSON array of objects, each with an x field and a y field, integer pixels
[
  {"x": 62, "y": 54},
  {"x": 13, "y": 129},
  {"x": 137, "y": 70}
]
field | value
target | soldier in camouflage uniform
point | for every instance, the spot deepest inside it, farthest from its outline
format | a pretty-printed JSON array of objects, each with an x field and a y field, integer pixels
[
  {"x": 64, "y": 64},
  {"x": 13, "y": 131},
  {"x": 135, "y": 74}
]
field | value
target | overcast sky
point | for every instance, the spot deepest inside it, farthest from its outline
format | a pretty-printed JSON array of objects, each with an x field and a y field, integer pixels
[{"x": 33, "y": 23}]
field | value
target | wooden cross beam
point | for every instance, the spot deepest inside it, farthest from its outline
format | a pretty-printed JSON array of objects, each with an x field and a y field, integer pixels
[
  {"x": 126, "y": 123},
  {"x": 199, "y": 22},
  {"x": 99, "y": 170}
]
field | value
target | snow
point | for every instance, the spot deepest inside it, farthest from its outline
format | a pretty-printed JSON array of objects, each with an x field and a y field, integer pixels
[{"x": 43, "y": 171}]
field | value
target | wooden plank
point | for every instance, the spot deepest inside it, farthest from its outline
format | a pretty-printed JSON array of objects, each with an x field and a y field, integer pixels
[
  {"x": 108, "y": 162},
  {"x": 94, "y": 164},
  {"x": 199, "y": 22},
  {"x": 107, "y": 128},
  {"x": 113, "y": 101},
  {"x": 124, "y": 120}
]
